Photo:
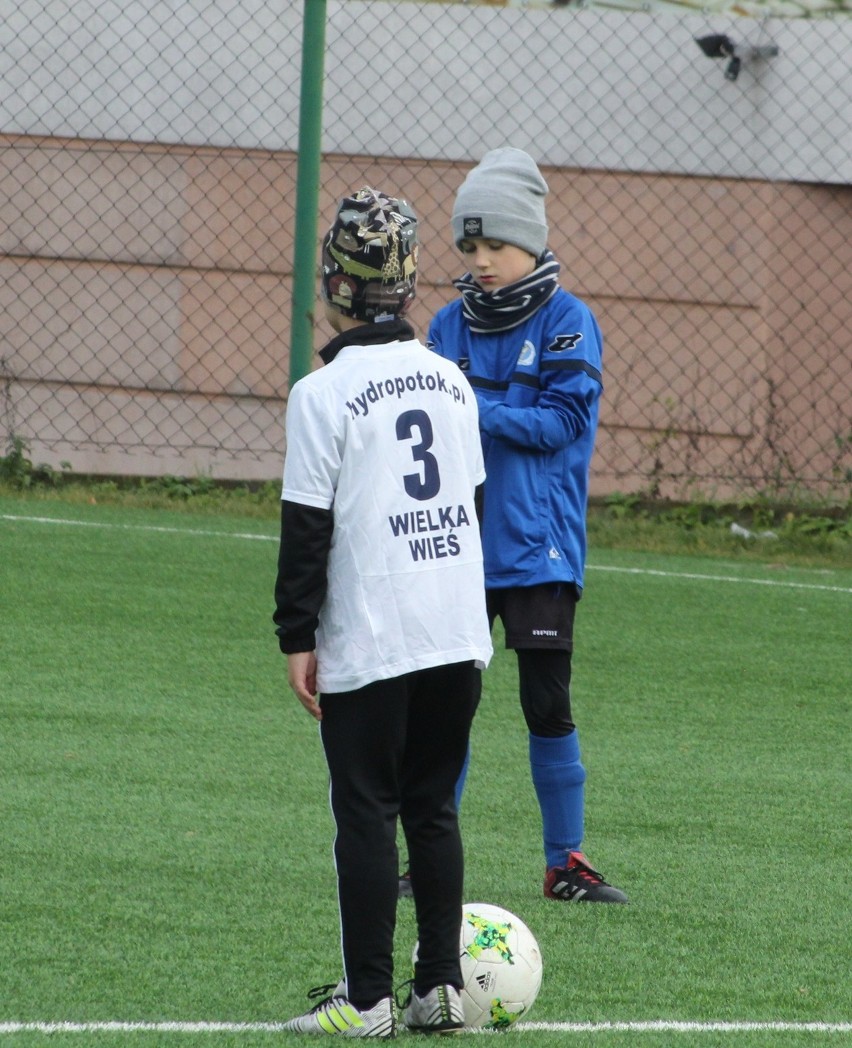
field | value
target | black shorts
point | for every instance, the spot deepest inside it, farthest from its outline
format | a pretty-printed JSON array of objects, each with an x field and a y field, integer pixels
[{"x": 536, "y": 616}]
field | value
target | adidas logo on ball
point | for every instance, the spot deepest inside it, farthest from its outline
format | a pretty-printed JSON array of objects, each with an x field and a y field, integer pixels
[{"x": 485, "y": 981}]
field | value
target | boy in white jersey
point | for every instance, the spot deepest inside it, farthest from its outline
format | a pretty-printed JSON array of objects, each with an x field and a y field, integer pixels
[{"x": 380, "y": 610}]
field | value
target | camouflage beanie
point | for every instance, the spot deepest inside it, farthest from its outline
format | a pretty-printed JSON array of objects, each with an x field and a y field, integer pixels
[{"x": 369, "y": 257}]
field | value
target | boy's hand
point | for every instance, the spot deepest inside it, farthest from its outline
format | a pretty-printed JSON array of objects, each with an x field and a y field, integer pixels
[{"x": 302, "y": 674}]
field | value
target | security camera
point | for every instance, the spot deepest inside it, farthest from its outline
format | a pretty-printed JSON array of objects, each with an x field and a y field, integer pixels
[{"x": 718, "y": 45}]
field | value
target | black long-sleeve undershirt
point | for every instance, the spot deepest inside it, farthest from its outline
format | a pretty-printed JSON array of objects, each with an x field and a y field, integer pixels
[{"x": 302, "y": 574}]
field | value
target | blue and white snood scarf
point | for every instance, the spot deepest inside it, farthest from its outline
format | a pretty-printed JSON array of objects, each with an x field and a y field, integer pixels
[{"x": 508, "y": 306}]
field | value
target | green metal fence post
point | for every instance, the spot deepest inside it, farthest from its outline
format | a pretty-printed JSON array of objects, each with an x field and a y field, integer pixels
[{"x": 307, "y": 189}]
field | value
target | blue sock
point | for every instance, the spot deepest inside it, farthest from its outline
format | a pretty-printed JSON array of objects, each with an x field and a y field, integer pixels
[
  {"x": 558, "y": 778},
  {"x": 460, "y": 781}
]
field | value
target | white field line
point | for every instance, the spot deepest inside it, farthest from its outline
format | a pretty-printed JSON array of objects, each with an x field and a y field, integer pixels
[
  {"x": 721, "y": 578},
  {"x": 654, "y": 1026},
  {"x": 137, "y": 527},
  {"x": 782, "y": 583},
  {"x": 676, "y": 1026}
]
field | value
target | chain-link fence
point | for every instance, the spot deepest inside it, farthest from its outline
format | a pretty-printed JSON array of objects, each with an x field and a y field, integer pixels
[{"x": 699, "y": 163}]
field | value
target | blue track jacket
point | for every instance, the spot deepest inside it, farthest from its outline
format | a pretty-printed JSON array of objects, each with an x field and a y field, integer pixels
[{"x": 538, "y": 386}]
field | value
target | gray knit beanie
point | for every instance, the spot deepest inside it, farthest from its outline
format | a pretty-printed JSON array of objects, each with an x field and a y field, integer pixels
[{"x": 502, "y": 198}]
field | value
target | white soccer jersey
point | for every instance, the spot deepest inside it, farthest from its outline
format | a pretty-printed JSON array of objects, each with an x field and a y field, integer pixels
[{"x": 388, "y": 437}]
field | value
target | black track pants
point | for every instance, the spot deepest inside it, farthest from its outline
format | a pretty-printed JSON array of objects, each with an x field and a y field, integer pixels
[{"x": 395, "y": 749}]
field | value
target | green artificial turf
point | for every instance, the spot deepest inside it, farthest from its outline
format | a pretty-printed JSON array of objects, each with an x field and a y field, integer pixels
[{"x": 166, "y": 848}]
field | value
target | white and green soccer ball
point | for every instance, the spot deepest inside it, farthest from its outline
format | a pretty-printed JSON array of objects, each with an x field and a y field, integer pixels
[{"x": 501, "y": 966}]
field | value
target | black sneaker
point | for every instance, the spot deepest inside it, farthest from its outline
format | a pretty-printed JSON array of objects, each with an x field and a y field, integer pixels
[
  {"x": 405, "y": 891},
  {"x": 579, "y": 881}
]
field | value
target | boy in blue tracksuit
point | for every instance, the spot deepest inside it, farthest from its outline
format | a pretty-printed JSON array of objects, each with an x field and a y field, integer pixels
[{"x": 532, "y": 353}]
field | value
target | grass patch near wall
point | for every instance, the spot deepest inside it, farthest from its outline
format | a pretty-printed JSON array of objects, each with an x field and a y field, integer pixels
[{"x": 751, "y": 531}]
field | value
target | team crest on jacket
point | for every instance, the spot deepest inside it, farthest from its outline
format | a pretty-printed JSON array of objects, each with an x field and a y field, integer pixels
[
  {"x": 527, "y": 354},
  {"x": 563, "y": 342}
]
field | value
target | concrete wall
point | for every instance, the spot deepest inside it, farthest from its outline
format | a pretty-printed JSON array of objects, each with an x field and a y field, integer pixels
[{"x": 599, "y": 88}]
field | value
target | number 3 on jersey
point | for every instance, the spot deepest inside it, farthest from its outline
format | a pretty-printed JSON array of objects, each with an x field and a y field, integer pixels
[{"x": 427, "y": 483}]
